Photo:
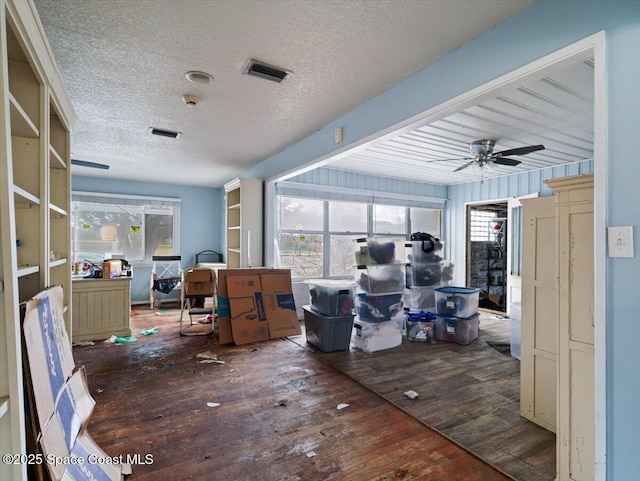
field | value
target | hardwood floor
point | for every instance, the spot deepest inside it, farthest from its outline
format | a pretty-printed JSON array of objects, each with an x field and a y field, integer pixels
[
  {"x": 471, "y": 394},
  {"x": 278, "y": 405}
]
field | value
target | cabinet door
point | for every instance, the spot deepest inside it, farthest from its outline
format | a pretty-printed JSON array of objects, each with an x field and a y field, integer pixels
[
  {"x": 538, "y": 368},
  {"x": 576, "y": 347}
]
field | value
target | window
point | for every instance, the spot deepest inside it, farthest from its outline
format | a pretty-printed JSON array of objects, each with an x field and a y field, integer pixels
[
  {"x": 136, "y": 227},
  {"x": 480, "y": 225},
  {"x": 316, "y": 237}
]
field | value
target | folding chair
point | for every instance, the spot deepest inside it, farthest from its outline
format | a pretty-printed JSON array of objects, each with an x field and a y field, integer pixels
[
  {"x": 166, "y": 275},
  {"x": 198, "y": 284}
]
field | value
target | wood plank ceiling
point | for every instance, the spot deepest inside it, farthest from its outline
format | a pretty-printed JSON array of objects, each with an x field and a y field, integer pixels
[{"x": 555, "y": 110}]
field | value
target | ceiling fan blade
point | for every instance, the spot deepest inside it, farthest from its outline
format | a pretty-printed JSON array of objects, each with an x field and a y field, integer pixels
[
  {"x": 86, "y": 163},
  {"x": 464, "y": 166},
  {"x": 506, "y": 161},
  {"x": 519, "y": 151}
]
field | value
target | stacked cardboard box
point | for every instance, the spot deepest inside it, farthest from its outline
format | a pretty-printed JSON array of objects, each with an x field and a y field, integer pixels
[
  {"x": 255, "y": 305},
  {"x": 59, "y": 399}
]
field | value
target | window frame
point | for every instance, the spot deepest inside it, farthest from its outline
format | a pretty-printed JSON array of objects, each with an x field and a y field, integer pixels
[
  {"x": 157, "y": 204},
  {"x": 326, "y": 251}
]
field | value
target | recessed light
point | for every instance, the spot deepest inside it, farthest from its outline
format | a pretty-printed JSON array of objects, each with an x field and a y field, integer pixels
[{"x": 198, "y": 77}]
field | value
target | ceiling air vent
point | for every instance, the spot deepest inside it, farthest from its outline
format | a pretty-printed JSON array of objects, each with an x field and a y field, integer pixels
[
  {"x": 165, "y": 133},
  {"x": 266, "y": 71}
]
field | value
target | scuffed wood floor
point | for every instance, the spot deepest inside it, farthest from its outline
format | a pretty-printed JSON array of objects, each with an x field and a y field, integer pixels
[
  {"x": 470, "y": 393},
  {"x": 278, "y": 404}
]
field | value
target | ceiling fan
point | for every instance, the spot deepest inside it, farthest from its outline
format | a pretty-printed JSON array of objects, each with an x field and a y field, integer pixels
[
  {"x": 483, "y": 154},
  {"x": 86, "y": 163}
]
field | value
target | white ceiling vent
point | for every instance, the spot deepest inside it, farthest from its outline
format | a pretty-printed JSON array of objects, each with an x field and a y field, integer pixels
[
  {"x": 164, "y": 133},
  {"x": 266, "y": 71}
]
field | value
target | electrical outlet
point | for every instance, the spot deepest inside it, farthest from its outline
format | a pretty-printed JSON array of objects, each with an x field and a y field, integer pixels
[{"x": 620, "y": 240}]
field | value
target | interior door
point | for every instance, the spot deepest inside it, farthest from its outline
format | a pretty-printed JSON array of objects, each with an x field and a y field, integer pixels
[
  {"x": 538, "y": 362},
  {"x": 514, "y": 250}
]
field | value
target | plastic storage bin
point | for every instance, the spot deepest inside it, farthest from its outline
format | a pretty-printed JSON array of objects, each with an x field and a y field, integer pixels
[
  {"x": 456, "y": 329},
  {"x": 378, "y": 307},
  {"x": 379, "y": 250},
  {"x": 515, "y": 316},
  {"x": 377, "y": 336},
  {"x": 378, "y": 279},
  {"x": 457, "y": 301},
  {"x": 420, "y": 297},
  {"x": 331, "y": 297},
  {"x": 327, "y": 333},
  {"x": 420, "y": 326},
  {"x": 424, "y": 252}
]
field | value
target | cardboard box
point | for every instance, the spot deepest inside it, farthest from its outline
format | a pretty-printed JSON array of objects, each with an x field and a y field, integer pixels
[
  {"x": 279, "y": 305},
  {"x": 225, "y": 334},
  {"x": 48, "y": 350},
  {"x": 246, "y": 307},
  {"x": 199, "y": 282}
]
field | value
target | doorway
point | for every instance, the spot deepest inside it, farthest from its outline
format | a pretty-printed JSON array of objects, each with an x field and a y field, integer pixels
[{"x": 487, "y": 253}]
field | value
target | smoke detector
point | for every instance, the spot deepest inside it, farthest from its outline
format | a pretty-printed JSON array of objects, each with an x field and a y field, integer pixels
[{"x": 191, "y": 100}]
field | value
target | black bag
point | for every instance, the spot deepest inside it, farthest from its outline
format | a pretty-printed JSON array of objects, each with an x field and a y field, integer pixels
[{"x": 430, "y": 244}]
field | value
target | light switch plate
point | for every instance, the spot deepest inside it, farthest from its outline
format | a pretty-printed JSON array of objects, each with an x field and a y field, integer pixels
[{"x": 620, "y": 240}]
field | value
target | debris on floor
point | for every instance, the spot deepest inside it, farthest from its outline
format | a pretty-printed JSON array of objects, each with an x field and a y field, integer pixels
[
  {"x": 213, "y": 405},
  {"x": 281, "y": 402},
  {"x": 208, "y": 355},
  {"x": 148, "y": 332},
  {"x": 342, "y": 406},
  {"x": 83, "y": 343},
  {"x": 209, "y": 361},
  {"x": 206, "y": 319},
  {"x": 311, "y": 454},
  {"x": 411, "y": 394},
  {"x": 163, "y": 313},
  {"x": 120, "y": 340}
]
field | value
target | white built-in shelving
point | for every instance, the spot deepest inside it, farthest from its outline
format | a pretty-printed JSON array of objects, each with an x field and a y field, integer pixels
[
  {"x": 35, "y": 201},
  {"x": 244, "y": 222}
]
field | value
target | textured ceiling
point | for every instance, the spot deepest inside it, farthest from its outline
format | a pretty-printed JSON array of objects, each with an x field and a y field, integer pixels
[{"x": 124, "y": 61}]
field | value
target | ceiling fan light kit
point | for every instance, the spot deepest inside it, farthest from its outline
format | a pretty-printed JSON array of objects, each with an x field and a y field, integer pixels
[{"x": 484, "y": 156}]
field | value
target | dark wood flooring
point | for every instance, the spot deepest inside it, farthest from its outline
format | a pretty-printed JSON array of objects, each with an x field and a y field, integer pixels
[
  {"x": 471, "y": 394},
  {"x": 277, "y": 406}
]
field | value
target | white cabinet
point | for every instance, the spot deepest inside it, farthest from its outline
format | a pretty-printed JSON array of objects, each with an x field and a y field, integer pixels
[
  {"x": 538, "y": 357},
  {"x": 244, "y": 222},
  {"x": 35, "y": 198},
  {"x": 576, "y": 383}
]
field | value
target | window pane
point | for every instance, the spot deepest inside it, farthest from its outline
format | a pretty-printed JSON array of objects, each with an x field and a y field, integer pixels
[
  {"x": 480, "y": 225},
  {"x": 341, "y": 255},
  {"x": 347, "y": 217},
  {"x": 389, "y": 219},
  {"x": 107, "y": 228},
  {"x": 302, "y": 253},
  {"x": 158, "y": 239},
  {"x": 425, "y": 220},
  {"x": 300, "y": 214}
]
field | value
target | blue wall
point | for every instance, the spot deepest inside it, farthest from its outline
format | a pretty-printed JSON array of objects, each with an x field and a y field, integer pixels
[
  {"x": 541, "y": 29},
  {"x": 201, "y": 219}
]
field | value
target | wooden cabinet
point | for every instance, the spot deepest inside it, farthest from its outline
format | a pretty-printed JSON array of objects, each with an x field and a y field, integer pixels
[
  {"x": 34, "y": 199},
  {"x": 575, "y": 269},
  {"x": 244, "y": 222},
  {"x": 557, "y": 362},
  {"x": 538, "y": 358},
  {"x": 101, "y": 308}
]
